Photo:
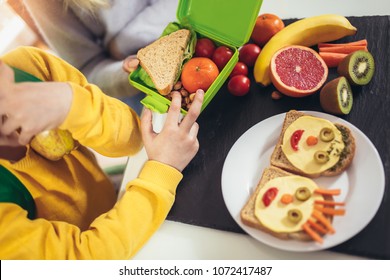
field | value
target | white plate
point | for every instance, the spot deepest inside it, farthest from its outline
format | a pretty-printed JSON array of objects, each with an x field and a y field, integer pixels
[{"x": 362, "y": 185}]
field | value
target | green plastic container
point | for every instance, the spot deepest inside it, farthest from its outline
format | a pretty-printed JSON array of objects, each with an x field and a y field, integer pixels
[{"x": 226, "y": 22}]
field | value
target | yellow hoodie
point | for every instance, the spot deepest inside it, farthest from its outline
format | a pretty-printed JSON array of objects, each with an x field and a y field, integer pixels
[{"x": 78, "y": 216}]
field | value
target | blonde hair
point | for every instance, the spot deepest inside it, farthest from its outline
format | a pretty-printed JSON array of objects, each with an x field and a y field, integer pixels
[{"x": 89, "y": 5}]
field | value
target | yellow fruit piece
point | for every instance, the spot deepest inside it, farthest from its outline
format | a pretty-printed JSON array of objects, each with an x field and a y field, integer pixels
[
  {"x": 53, "y": 144},
  {"x": 305, "y": 32}
]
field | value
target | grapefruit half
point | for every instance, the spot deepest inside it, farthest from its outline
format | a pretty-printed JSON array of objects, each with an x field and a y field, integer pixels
[{"x": 298, "y": 71}]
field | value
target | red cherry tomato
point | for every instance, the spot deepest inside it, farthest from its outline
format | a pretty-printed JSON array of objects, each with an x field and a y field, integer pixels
[
  {"x": 269, "y": 195},
  {"x": 295, "y": 137},
  {"x": 239, "y": 85},
  {"x": 248, "y": 54},
  {"x": 204, "y": 48},
  {"x": 221, "y": 56},
  {"x": 239, "y": 69}
]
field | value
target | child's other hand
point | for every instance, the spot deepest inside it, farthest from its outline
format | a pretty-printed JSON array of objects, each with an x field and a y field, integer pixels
[
  {"x": 177, "y": 143},
  {"x": 30, "y": 108}
]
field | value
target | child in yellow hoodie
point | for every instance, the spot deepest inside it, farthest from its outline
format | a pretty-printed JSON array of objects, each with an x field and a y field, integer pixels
[{"x": 67, "y": 209}]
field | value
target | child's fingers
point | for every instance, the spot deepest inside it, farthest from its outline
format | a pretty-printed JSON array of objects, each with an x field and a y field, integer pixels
[
  {"x": 8, "y": 127},
  {"x": 194, "y": 111},
  {"x": 194, "y": 130},
  {"x": 11, "y": 140},
  {"x": 174, "y": 110},
  {"x": 146, "y": 124}
]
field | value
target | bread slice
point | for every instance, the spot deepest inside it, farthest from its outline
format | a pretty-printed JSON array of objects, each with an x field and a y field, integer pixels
[
  {"x": 162, "y": 59},
  {"x": 247, "y": 213},
  {"x": 279, "y": 159}
]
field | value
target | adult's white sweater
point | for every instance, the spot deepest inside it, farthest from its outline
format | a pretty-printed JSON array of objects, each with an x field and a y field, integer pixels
[{"x": 97, "y": 43}]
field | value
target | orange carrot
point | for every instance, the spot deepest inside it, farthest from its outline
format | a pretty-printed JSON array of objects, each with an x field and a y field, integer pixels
[
  {"x": 332, "y": 59},
  {"x": 311, "y": 140},
  {"x": 323, "y": 220},
  {"x": 317, "y": 226},
  {"x": 327, "y": 191},
  {"x": 342, "y": 49},
  {"x": 315, "y": 236},
  {"x": 362, "y": 42},
  {"x": 330, "y": 211},
  {"x": 286, "y": 198},
  {"x": 330, "y": 203}
]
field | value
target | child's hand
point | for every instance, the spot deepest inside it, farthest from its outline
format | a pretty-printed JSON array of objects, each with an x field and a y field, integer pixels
[
  {"x": 177, "y": 143},
  {"x": 30, "y": 108}
]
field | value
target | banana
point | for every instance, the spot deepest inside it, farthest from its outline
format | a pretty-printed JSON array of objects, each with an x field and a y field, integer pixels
[{"x": 305, "y": 32}]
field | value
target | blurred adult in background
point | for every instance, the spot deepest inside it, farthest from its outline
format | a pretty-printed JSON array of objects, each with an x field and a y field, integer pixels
[{"x": 99, "y": 37}]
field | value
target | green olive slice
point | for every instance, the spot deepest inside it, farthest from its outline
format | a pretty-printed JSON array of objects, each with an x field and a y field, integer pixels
[
  {"x": 327, "y": 134},
  {"x": 302, "y": 194},
  {"x": 294, "y": 215},
  {"x": 321, "y": 157}
]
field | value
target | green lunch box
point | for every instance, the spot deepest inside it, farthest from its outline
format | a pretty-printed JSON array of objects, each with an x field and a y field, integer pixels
[{"x": 226, "y": 22}]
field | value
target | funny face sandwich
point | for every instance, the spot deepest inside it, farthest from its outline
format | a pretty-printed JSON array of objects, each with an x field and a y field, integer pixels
[
  {"x": 312, "y": 146},
  {"x": 290, "y": 206}
]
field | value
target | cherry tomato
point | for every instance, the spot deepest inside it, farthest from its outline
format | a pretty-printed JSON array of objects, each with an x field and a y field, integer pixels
[
  {"x": 239, "y": 69},
  {"x": 239, "y": 85},
  {"x": 221, "y": 56},
  {"x": 204, "y": 48},
  {"x": 295, "y": 137},
  {"x": 269, "y": 195},
  {"x": 248, "y": 54}
]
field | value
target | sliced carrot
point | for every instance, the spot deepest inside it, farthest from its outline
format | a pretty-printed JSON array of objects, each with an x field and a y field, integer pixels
[
  {"x": 311, "y": 140},
  {"x": 323, "y": 220},
  {"x": 327, "y": 191},
  {"x": 330, "y": 203},
  {"x": 330, "y": 211},
  {"x": 314, "y": 235},
  {"x": 362, "y": 42},
  {"x": 332, "y": 59},
  {"x": 317, "y": 226},
  {"x": 286, "y": 198},
  {"x": 342, "y": 49}
]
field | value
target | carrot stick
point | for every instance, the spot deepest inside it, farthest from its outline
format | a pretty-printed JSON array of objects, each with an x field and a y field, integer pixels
[
  {"x": 317, "y": 226},
  {"x": 323, "y": 220},
  {"x": 315, "y": 236},
  {"x": 327, "y": 191},
  {"x": 330, "y": 211},
  {"x": 332, "y": 59},
  {"x": 330, "y": 203},
  {"x": 342, "y": 49},
  {"x": 362, "y": 42}
]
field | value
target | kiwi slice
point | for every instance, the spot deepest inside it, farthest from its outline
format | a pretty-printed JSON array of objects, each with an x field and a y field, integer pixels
[
  {"x": 358, "y": 67},
  {"x": 336, "y": 97}
]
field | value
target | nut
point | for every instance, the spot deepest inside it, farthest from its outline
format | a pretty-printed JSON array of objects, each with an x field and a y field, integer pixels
[
  {"x": 178, "y": 85},
  {"x": 276, "y": 95}
]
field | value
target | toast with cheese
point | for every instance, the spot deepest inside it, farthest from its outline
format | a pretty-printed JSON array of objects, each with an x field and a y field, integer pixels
[
  {"x": 279, "y": 159},
  {"x": 248, "y": 216},
  {"x": 163, "y": 58}
]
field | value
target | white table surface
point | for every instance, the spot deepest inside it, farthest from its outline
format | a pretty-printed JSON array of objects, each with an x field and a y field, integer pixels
[{"x": 182, "y": 241}]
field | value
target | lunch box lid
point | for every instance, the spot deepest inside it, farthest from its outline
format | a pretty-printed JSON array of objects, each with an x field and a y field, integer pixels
[{"x": 229, "y": 21}]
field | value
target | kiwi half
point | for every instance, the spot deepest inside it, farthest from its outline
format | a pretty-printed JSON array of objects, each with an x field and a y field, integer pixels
[
  {"x": 336, "y": 96},
  {"x": 358, "y": 67}
]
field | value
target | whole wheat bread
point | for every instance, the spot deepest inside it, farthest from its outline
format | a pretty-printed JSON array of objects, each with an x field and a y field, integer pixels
[
  {"x": 279, "y": 159},
  {"x": 162, "y": 59},
  {"x": 247, "y": 213}
]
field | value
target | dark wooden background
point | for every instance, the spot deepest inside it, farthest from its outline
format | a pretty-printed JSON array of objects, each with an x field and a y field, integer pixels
[{"x": 199, "y": 198}]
